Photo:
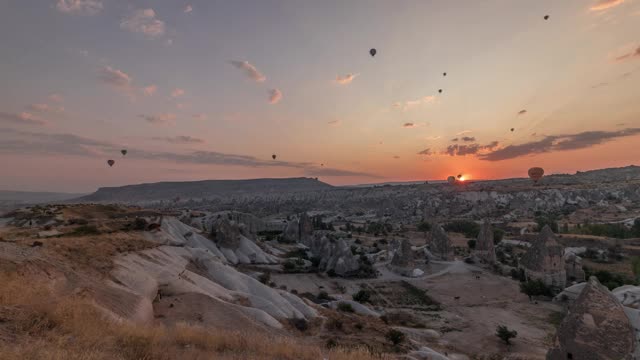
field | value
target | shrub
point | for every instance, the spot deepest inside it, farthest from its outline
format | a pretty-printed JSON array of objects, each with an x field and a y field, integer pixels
[
  {"x": 331, "y": 343},
  {"x": 471, "y": 244},
  {"x": 362, "y": 296},
  {"x": 424, "y": 226},
  {"x": 265, "y": 278},
  {"x": 289, "y": 266},
  {"x": 550, "y": 220},
  {"x": 505, "y": 334},
  {"x": 396, "y": 337},
  {"x": 535, "y": 288},
  {"x": 345, "y": 307},
  {"x": 468, "y": 228},
  {"x": 331, "y": 273},
  {"x": 300, "y": 324},
  {"x": 323, "y": 295},
  {"x": 498, "y": 234}
]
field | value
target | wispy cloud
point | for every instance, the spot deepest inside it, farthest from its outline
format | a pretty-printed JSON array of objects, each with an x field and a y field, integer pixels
[
  {"x": 581, "y": 140},
  {"x": 149, "y": 90},
  {"x": 160, "y": 119},
  {"x": 275, "y": 96},
  {"x": 629, "y": 55},
  {"x": 335, "y": 123},
  {"x": 464, "y": 132},
  {"x": 115, "y": 77},
  {"x": 180, "y": 140},
  {"x": 408, "y": 125},
  {"x": 409, "y": 104},
  {"x": 605, "y": 4},
  {"x": 188, "y": 9},
  {"x": 24, "y": 142},
  {"x": 79, "y": 7},
  {"x": 249, "y": 70},
  {"x": 396, "y": 157},
  {"x": 56, "y": 98},
  {"x": 38, "y": 107},
  {"x": 468, "y": 139},
  {"x": 471, "y": 149},
  {"x": 426, "y": 152},
  {"x": 176, "y": 93},
  {"x": 345, "y": 79},
  {"x": 143, "y": 21},
  {"x": 23, "y": 118}
]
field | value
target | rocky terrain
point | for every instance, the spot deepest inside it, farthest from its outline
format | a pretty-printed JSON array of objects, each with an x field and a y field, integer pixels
[{"x": 485, "y": 270}]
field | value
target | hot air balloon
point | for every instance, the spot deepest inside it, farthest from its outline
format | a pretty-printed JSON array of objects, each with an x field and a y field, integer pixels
[
  {"x": 273, "y": 156},
  {"x": 513, "y": 129},
  {"x": 546, "y": 17},
  {"x": 373, "y": 52},
  {"x": 111, "y": 162},
  {"x": 124, "y": 152},
  {"x": 440, "y": 91},
  {"x": 459, "y": 176},
  {"x": 451, "y": 180},
  {"x": 536, "y": 173},
  {"x": 321, "y": 164},
  {"x": 444, "y": 74}
]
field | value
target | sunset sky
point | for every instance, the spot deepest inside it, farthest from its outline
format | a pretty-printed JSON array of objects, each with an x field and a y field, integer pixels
[{"x": 205, "y": 89}]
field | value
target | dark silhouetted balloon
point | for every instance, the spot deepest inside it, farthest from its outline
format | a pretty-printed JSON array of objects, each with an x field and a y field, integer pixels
[
  {"x": 444, "y": 74},
  {"x": 321, "y": 164},
  {"x": 124, "y": 152},
  {"x": 440, "y": 91},
  {"x": 513, "y": 129},
  {"x": 273, "y": 156},
  {"x": 451, "y": 180},
  {"x": 459, "y": 176},
  {"x": 111, "y": 162},
  {"x": 536, "y": 173},
  {"x": 373, "y": 52},
  {"x": 546, "y": 17}
]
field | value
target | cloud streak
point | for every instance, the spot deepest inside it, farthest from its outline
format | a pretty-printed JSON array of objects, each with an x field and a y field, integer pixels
[
  {"x": 426, "y": 152},
  {"x": 79, "y": 7},
  {"x": 605, "y": 4},
  {"x": 249, "y": 70},
  {"x": 345, "y": 79},
  {"x": 25, "y": 142},
  {"x": 182, "y": 139},
  {"x": 548, "y": 144},
  {"x": 629, "y": 55},
  {"x": 23, "y": 118},
  {"x": 160, "y": 119},
  {"x": 471, "y": 149}
]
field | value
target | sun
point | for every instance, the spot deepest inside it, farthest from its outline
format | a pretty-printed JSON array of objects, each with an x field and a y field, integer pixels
[{"x": 462, "y": 178}]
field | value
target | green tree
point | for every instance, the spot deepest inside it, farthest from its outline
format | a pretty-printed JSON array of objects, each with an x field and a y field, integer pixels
[
  {"x": 534, "y": 288},
  {"x": 505, "y": 334}
]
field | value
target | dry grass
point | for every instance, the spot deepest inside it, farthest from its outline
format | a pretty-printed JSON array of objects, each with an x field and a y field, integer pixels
[{"x": 34, "y": 325}]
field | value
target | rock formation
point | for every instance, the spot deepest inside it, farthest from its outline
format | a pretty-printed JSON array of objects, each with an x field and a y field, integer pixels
[
  {"x": 334, "y": 254},
  {"x": 440, "y": 243},
  {"x": 299, "y": 230},
  {"x": 403, "y": 261},
  {"x": 595, "y": 328},
  {"x": 485, "y": 250},
  {"x": 544, "y": 260},
  {"x": 573, "y": 268}
]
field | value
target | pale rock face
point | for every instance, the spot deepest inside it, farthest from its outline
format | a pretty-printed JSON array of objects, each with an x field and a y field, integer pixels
[
  {"x": 403, "y": 261},
  {"x": 596, "y": 327},
  {"x": 573, "y": 268},
  {"x": 334, "y": 254},
  {"x": 485, "y": 250},
  {"x": 440, "y": 243}
]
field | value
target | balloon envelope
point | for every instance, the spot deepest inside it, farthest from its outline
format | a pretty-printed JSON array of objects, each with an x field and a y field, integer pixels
[
  {"x": 373, "y": 52},
  {"x": 451, "y": 179},
  {"x": 536, "y": 173},
  {"x": 273, "y": 156},
  {"x": 124, "y": 152},
  {"x": 111, "y": 162}
]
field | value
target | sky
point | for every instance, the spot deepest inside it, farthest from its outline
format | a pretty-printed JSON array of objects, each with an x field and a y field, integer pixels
[{"x": 211, "y": 89}]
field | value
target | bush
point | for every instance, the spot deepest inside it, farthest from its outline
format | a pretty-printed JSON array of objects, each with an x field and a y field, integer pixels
[
  {"x": 550, "y": 220},
  {"x": 505, "y": 334},
  {"x": 471, "y": 244},
  {"x": 289, "y": 266},
  {"x": 609, "y": 279},
  {"x": 469, "y": 228},
  {"x": 535, "y": 288},
  {"x": 345, "y": 307},
  {"x": 424, "y": 226},
  {"x": 331, "y": 343},
  {"x": 331, "y": 273},
  {"x": 300, "y": 324},
  {"x": 498, "y": 234},
  {"x": 323, "y": 295},
  {"x": 265, "y": 278},
  {"x": 362, "y": 296},
  {"x": 395, "y": 337}
]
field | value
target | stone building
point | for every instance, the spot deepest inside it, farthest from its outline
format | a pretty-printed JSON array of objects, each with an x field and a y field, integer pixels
[
  {"x": 544, "y": 260},
  {"x": 595, "y": 328},
  {"x": 485, "y": 250}
]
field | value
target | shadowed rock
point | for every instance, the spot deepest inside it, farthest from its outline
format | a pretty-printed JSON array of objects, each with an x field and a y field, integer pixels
[
  {"x": 544, "y": 260},
  {"x": 440, "y": 243},
  {"x": 573, "y": 267},
  {"x": 485, "y": 250},
  {"x": 596, "y": 327}
]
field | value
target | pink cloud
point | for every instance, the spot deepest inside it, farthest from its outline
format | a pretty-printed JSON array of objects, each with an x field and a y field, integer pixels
[
  {"x": 143, "y": 21},
  {"x": 160, "y": 119},
  {"x": 605, "y": 4},
  {"x": 249, "y": 70},
  {"x": 275, "y": 96},
  {"x": 176, "y": 93},
  {"x": 56, "y": 98},
  {"x": 115, "y": 77},
  {"x": 346, "y": 79},
  {"x": 149, "y": 90},
  {"x": 21, "y": 118},
  {"x": 79, "y": 7},
  {"x": 188, "y": 9},
  {"x": 38, "y": 107}
]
